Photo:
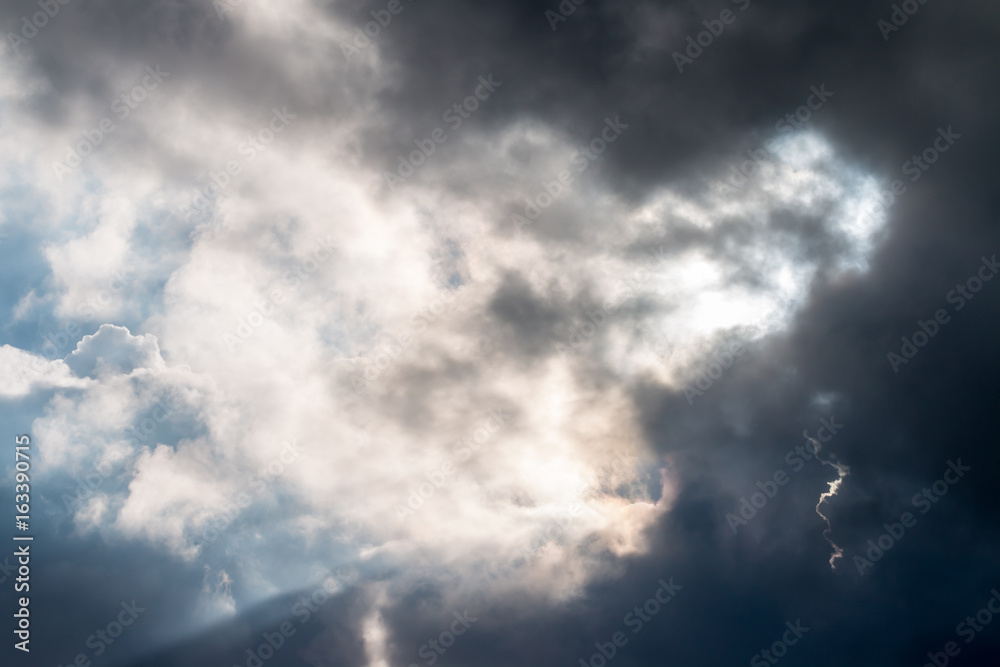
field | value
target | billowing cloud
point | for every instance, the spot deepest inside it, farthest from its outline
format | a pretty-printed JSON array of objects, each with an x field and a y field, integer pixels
[{"x": 466, "y": 309}]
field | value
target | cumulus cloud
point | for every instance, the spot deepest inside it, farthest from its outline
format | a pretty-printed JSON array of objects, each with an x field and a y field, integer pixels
[{"x": 113, "y": 350}]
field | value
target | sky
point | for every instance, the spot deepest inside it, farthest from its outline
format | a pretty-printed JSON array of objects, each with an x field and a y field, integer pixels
[{"x": 400, "y": 333}]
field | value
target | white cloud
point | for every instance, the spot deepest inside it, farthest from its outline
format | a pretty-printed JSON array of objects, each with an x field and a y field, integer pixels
[
  {"x": 289, "y": 379},
  {"x": 114, "y": 350},
  {"x": 24, "y": 372}
]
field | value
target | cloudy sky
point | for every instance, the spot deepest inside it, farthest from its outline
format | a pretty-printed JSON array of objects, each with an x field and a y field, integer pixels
[{"x": 397, "y": 333}]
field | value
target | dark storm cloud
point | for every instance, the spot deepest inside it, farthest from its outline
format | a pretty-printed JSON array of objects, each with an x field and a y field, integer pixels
[
  {"x": 80, "y": 592},
  {"x": 529, "y": 320},
  {"x": 755, "y": 73},
  {"x": 318, "y": 631},
  {"x": 902, "y": 429}
]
